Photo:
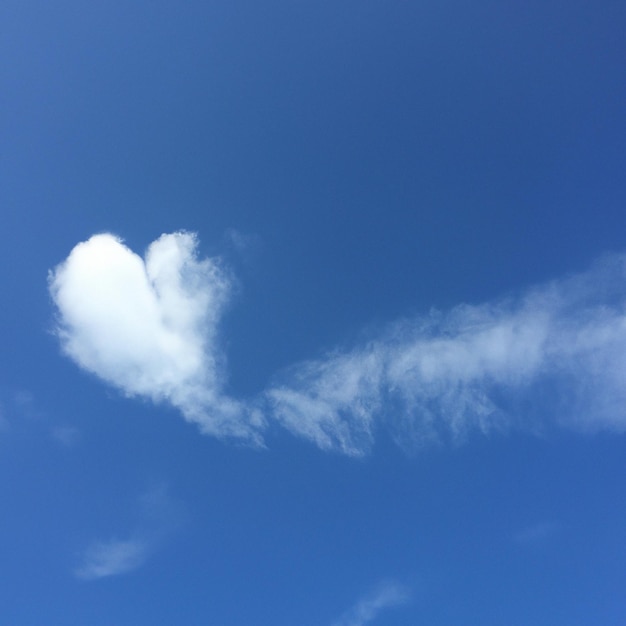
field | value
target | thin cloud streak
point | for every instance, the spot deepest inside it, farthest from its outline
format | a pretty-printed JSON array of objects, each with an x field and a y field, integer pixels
[
  {"x": 385, "y": 596},
  {"x": 159, "y": 516},
  {"x": 554, "y": 355},
  {"x": 67, "y": 436},
  {"x": 111, "y": 558},
  {"x": 536, "y": 533}
]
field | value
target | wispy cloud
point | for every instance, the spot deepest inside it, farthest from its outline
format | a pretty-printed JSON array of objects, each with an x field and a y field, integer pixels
[
  {"x": 554, "y": 355},
  {"x": 159, "y": 516},
  {"x": 535, "y": 533},
  {"x": 149, "y": 326},
  {"x": 111, "y": 558},
  {"x": 23, "y": 415},
  {"x": 25, "y": 405},
  {"x": 67, "y": 436},
  {"x": 387, "y": 595}
]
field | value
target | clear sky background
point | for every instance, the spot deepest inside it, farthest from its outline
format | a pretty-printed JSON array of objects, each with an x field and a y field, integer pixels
[{"x": 385, "y": 381}]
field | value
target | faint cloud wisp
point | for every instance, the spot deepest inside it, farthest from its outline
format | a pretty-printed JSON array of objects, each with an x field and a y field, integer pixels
[
  {"x": 67, "y": 436},
  {"x": 536, "y": 533},
  {"x": 386, "y": 596},
  {"x": 159, "y": 516},
  {"x": 111, "y": 558}
]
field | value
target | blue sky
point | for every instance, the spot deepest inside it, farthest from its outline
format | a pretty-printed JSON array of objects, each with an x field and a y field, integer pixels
[{"x": 313, "y": 313}]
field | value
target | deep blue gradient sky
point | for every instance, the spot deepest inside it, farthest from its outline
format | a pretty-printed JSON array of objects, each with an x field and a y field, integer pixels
[{"x": 354, "y": 166}]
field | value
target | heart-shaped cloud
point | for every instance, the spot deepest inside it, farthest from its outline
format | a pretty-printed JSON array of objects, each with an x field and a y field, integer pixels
[
  {"x": 555, "y": 354},
  {"x": 149, "y": 326}
]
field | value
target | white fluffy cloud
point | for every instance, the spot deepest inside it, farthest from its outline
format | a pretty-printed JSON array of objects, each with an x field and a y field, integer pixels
[
  {"x": 148, "y": 326},
  {"x": 554, "y": 355}
]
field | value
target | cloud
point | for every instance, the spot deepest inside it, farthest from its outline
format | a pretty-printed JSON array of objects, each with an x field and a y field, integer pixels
[
  {"x": 159, "y": 516},
  {"x": 536, "y": 533},
  {"x": 25, "y": 405},
  {"x": 333, "y": 401},
  {"x": 113, "y": 557},
  {"x": 67, "y": 436},
  {"x": 385, "y": 596},
  {"x": 555, "y": 355},
  {"x": 552, "y": 356},
  {"x": 149, "y": 326}
]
